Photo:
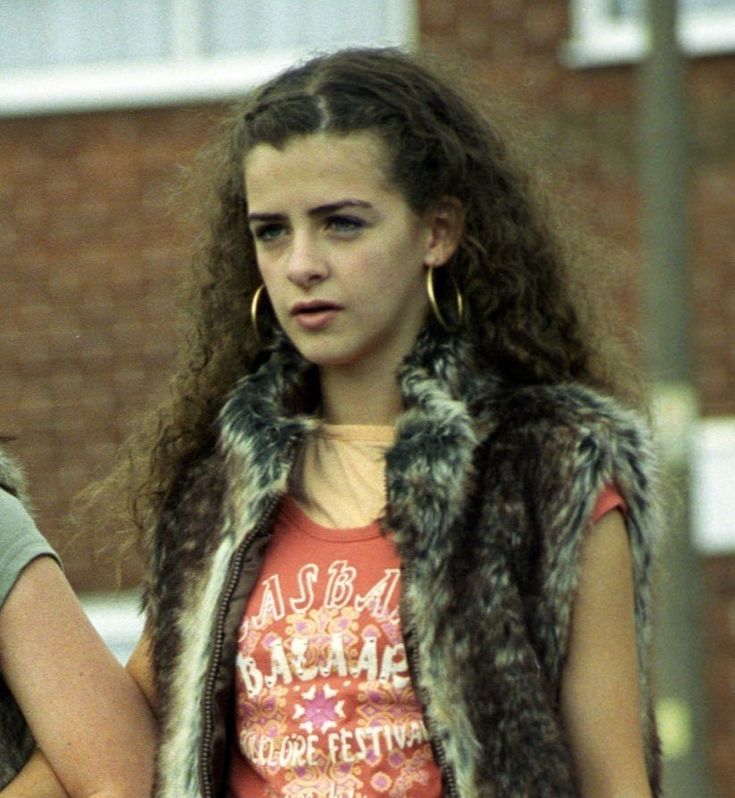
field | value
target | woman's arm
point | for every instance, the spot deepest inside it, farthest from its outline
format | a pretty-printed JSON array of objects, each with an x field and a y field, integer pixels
[
  {"x": 87, "y": 714},
  {"x": 35, "y": 780},
  {"x": 600, "y": 688},
  {"x": 140, "y": 668}
]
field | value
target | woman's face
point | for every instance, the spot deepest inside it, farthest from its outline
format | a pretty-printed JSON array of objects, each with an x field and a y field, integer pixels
[{"x": 341, "y": 253}]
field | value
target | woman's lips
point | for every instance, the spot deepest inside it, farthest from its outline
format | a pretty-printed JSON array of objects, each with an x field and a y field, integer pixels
[{"x": 315, "y": 315}]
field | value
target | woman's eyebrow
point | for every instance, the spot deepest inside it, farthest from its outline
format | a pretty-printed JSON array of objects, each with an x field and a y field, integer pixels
[
  {"x": 332, "y": 207},
  {"x": 319, "y": 210},
  {"x": 266, "y": 217}
]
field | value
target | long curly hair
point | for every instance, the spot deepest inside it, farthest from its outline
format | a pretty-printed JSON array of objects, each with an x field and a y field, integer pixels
[{"x": 525, "y": 315}]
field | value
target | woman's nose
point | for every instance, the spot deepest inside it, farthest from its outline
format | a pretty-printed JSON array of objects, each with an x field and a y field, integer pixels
[{"x": 306, "y": 263}]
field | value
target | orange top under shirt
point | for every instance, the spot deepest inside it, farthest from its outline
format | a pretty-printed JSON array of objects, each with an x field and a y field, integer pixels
[{"x": 325, "y": 707}]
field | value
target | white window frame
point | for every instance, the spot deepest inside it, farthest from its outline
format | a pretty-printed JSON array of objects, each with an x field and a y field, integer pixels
[
  {"x": 186, "y": 75},
  {"x": 598, "y": 39},
  {"x": 713, "y": 472}
]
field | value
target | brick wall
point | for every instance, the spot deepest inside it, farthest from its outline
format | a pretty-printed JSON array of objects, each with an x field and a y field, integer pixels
[{"x": 91, "y": 257}]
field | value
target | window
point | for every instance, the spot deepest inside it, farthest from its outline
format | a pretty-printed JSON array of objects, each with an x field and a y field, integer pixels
[
  {"x": 58, "y": 55},
  {"x": 613, "y": 31}
]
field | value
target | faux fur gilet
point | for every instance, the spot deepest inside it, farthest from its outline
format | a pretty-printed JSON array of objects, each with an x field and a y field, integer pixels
[
  {"x": 490, "y": 489},
  {"x": 16, "y": 740}
]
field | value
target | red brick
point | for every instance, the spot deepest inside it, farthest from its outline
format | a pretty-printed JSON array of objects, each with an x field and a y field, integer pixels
[
  {"x": 543, "y": 24},
  {"x": 437, "y": 14}
]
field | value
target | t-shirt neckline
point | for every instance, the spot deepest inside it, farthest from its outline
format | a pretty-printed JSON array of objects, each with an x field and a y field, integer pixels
[
  {"x": 295, "y": 515},
  {"x": 358, "y": 433}
]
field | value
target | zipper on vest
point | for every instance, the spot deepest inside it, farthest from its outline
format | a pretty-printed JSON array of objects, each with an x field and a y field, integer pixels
[
  {"x": 205, "y": 751},
  {"x": 410, "y": 640}
]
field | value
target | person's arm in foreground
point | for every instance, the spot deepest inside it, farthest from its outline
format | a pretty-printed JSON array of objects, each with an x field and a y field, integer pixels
[
  {"x": 36, "y": 779},
  {"x": 89, "y": 718},
  {"x": 140, "y": 668},
  {"x": 600, "y": 690}
]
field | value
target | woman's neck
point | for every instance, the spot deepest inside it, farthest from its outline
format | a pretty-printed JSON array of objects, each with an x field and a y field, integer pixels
[{"x": 348, "y": 399}]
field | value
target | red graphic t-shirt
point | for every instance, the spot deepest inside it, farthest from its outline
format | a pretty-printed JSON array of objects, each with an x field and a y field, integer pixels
[{"x": 325, "y": 705}]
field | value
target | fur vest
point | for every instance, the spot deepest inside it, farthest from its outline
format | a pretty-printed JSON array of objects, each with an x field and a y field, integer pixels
[
  {"x": 490, "y": 488},
  {"x": 16, "y": 740}
]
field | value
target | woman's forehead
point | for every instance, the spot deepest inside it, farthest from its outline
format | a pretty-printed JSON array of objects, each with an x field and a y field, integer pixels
[{"x": 315, "y": 163}]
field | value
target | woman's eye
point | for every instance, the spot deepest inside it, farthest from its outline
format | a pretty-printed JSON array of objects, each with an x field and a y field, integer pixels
[
  {"x": 268, "y": 232},
  {"x": 345, "y": 224}
]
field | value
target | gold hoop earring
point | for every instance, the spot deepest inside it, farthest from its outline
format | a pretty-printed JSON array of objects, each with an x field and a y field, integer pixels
[
  {"x": 254, "y": 305},
  {"x": 459, "y": 302}
]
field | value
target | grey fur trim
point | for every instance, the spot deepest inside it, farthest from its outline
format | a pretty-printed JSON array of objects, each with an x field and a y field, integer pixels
[{"x": 254, "y": 442}]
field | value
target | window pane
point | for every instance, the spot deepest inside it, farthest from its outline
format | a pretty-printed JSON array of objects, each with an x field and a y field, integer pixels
[
  {"x": 612, "y": 31},
  {"x": 236, "y": 26},
  {"x": 42, "y": 33},
  {"x": 37, "y": 33}
]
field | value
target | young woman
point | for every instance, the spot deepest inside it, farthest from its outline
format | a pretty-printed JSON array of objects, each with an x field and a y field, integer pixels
[
  {"x": 400, "y": 532},
  {"x": 60, "y": 688}
]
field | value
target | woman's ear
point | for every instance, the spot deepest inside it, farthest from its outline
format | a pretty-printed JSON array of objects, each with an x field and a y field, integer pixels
[{"x": 446, "y": 227}]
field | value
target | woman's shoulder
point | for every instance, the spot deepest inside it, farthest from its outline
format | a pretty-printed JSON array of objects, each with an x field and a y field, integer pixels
[
  {"x": 199, "y": 480},
  {"x": 13, "y": 510},
  {"x": 20, "y": 542},
  {"x": 195, "y": 497},
  {"x": 565, "y": 443},
  {"x": 572, "y": 434},
  {"x": 16, "y": 522},
  {"x": 571, "y": 410},
  {"x": 11, "y": 475}
]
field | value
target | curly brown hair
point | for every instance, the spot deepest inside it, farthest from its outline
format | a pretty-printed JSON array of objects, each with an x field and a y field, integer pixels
[{"x": 524, "y": 313}]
